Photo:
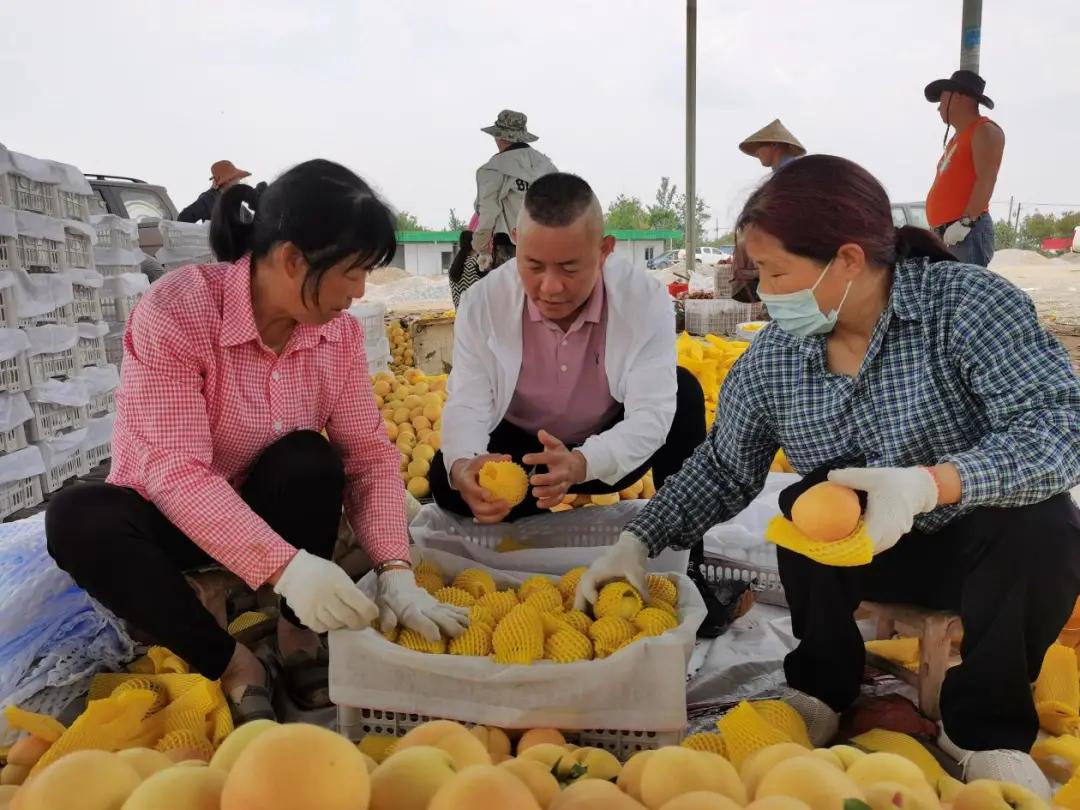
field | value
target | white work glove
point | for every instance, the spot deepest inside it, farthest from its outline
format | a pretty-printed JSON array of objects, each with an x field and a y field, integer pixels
[
  {"x": 894, "y": 496},
  {"x": 323, "y": 596},
  {"x": 624, "y": 560},
  {"x": 403, "y": 602},
  {"x": 484, "y": 262},
  {"x": 956, "y": 233}
]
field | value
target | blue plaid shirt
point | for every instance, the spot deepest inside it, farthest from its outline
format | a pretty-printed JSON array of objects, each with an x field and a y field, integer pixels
[{"x": 958, "y": 370}]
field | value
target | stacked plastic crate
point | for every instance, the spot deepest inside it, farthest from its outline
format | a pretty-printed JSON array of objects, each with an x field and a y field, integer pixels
[
  {"x": 372, "y": 317},
  {"x": 118, "y": 257}
]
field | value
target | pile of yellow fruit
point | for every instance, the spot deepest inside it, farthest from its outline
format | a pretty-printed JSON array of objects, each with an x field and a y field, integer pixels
[
  {"x": 641, "y": 490},
  {"x": 709, "y": 361},
  {"x": 402, "y": 355},
  {"x": 411, "y": 404},
  {"x": 537, "y": 621}
]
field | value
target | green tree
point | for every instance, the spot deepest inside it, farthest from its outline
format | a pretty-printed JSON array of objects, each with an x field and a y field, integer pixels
[
  {"x": 702, "y": 219},
  {"x": 455, "y": 224},
  {"x": 407, "y": 222},
  {"x": 1067, "y": 223},
  {"x": 626, "y": 214},
  {"x": 1004, "y": 235},
  {"x": 1038, "y": 227},
  {"x": 663, "y": 214}
]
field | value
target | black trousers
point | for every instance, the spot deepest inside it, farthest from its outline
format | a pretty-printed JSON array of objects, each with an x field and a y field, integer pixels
[
  {"x": 1012, "y": 574},
  {"x": 122, "y": 551},
  {"x": 686, "y": 433}
]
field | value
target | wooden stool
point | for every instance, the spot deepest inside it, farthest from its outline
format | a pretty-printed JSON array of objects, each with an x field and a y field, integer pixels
[{"x": 936, "y": 631}]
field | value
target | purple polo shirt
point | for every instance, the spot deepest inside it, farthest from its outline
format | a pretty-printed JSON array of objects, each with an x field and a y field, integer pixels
[{"x": 562, "y": 386}]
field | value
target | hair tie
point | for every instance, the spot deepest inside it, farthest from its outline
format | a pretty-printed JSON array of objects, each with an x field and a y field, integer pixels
[{"x": 247, "y": 213}]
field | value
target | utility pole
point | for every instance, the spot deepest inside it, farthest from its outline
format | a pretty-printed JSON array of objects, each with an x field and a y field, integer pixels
[
  {"x": 971, "y": 35},
  {"x": 691, "y": 134}
]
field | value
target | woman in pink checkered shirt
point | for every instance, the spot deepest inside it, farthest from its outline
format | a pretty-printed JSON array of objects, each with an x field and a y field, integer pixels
[{"x": 231, "y": 374}]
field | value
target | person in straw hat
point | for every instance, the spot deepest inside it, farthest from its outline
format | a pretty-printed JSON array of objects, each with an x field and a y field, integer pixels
[
  {"x": 223, "y": 173},
  {"x": 773, "y": 145},
  {"x": 501, "y": 184},
  {"x": 958, "y": 205}
]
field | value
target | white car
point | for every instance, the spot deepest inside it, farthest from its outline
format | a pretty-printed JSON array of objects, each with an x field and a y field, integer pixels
[{"x": 710, "y": 256}]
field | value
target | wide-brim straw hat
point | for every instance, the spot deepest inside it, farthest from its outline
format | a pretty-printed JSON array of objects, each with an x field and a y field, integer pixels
[
  {"x": 223, "y": 172},
  {"x": 774, "y": 132}
]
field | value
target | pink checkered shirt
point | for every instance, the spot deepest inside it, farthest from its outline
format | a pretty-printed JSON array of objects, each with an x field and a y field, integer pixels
[{"x": 201, "y": 397}]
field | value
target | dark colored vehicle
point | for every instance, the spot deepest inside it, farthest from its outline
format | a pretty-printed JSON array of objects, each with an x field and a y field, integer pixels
[
  {"x": 663, "y": 260},
  {"x": 913, "y": 213},
  {"x": 135, "y": 199}
]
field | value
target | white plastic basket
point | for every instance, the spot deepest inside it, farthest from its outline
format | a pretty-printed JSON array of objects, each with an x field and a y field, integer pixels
[
  {"x": 8, "y": 252},
  {"x": 14, "y": 374},
  {"x": 17, "y": 191},
  {"x": 631, "y": 700},
  {"x": 712, "y": 317},
  {"x": 73, "y": 467},
  {"x": 722, "y": 281},
  {"x": 115, "y": 233},
  {"x": 87, "y": 305},
  {"x": 72, "y": 205},
  {"x": 765, "y": 581},
  {"x": 372, "y": 317},
  {"x": 101, "y": 384},
  {"x": 50, "y": 365},
  {"x": 114, "y": 348},
  {"x": 78, "y": 253},
  {"x": 50, "y": 419},
  {"x": 63, "y": 459},
  {"x": 90, "y": 351},
  {"x": 184, "y": 234},
  {"x": 38, "y": 255},
  {"x": 113, "y": 270},
  {"x": 98, "y": 445},
  {"x": 8, "y": 318},
  {"x": 97, "y": 455},
  {"x": 378, "y": 365},
  {"x": 13, "y": 440},
  {"x": 23, "y": 493},
  {"x": 63, "y": 315}
]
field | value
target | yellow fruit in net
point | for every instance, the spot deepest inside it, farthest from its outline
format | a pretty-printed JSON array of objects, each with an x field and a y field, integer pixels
[
  {"x": 578, "y": 620},
  {"x": 568, "y": 583},
  {"x": 418, "y": 487},
  {"x": 476, "y": 582},
  {"x": 476, "y": 640},
  {"x": 455, "y": 596},
  {"x": 427, "y": 564},
  {"x": 782, "y": 716},
  {"x": 186, "y": 740},
  {"x": 618, "y": 599},
  {"x": 553, "y": 623},
  {"x": 390, "y": 635},
  {"x": 610, "y": 633},
  {"x": 706, "y": 741},
  {"x": 546, "y": 600},
  {"x": 505, "y": 480},
  {"x": 654, "y": 622},
  {"x": 478, "y": 614},
  {"x": 430, "y": 581},
  {"x": 533, "y": 584},
  {"x": 412, "y": 640},
  {"x": 666, "y": 608},
  {"x": 662, "y": 589},
  {"x": 499, "y": 603},
  {"x": 568, "y": 645},
  {"x": 519, "y": 637}
]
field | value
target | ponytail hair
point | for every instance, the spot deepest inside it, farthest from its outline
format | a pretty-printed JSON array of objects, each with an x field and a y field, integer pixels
[
  {"x": 322, "y": 208},
  {"x": 819, "y": 203}
]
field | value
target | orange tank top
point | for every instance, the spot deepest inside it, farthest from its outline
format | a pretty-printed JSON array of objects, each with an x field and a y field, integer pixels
[{"x": 955, "y": 178}]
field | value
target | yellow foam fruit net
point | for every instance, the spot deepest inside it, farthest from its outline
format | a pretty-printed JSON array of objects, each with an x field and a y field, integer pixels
[
  {"x": 662, "y": 589},
  {"x": 611, "y": 633},
  {"x": 553, "y": 622},
  {"x": 246, "y": 620},
  {"x": 1069, "y": 794},
  {"x": 782, "y": 716},
  {"x": 475, "y": 582},
  {"x": 510, "y": 544},
  {"x": 534, "y": 584},
  {"x": 578, "y": 620},
  {"x": 745, "y": 731},
  {"x": 519, "y": 638},
  {"x": 41, "y": 726},
  {"x": 476, "y": 640},
  {"x": 709, "y": 361},
  {"x": 1057, "y": 691},
  {"x": 161, "y": 700},
  {"x": 479, "y": 614},
  {"x": 618, "y": 599},
  {"x": 1058, "y": 757},
  {"x": 499, "y": 603},
  {"x": 185, "y": 740},
  {"x": 568, "y": 583},
  {"x": 855, "y": 549},
  {"x": 654, "y": 622},
  {"x": 412, "y": 640},
  {"x": 666, "y": 608},
  {"x": 546, "y": 600},
  {"x": 567, "y": 646},
  {"x": 505, "y": 480},
  {"x": 378, "y": 746},
  {"x": 429, "y": 581},
  {"x": 455, "y": 596},
  {"x": 390, "y": 635},
  {"x": 706, "y": 741},
  {"x": 903, "y": 652}
]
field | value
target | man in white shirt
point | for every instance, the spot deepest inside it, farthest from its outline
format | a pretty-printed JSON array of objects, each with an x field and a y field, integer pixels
[
  {"x": 564, "y": 361},
  {"x": 501, "y": 184}
]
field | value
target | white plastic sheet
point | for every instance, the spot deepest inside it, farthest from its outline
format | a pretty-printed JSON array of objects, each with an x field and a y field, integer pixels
[
  {"x": 71, "y": 392},
  {"x": 89, "y": 331},
  {"x": 118, "y": 257},
  {"x": 37, "y": 225},
  {"x": 8, "y": 224},
  {"x": 38, "y": 293},
  {"x": 14, "y": 410},
  {"x": 31, "y": 167},
  {"x": 69, "y": 178},
  {"x": 185, "y": 255},
  {"x": 21, "y": 464},
  {"x": 56, "y": 451},
  {"x": 112, "y": 222},
  {"x": 99, "y": 379},
  {"x": 87, "y": 278},
  {"x": 50, "y": 339},
  {"x": 641, "y": 687},
  {"x": 99, "y": 430},
  {"x": 743, "y": 537},
  {"x": 125, "y": 285},
  {"x": 12, "y": 342},
  {"x": 557, "y": 542}
]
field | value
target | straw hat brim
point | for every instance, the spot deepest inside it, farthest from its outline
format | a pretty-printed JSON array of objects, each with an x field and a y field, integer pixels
[{"x": 774, "y": 132}]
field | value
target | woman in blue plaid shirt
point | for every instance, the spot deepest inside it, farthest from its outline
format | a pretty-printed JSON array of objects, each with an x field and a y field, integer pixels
[{"x": 930, "y": 386}]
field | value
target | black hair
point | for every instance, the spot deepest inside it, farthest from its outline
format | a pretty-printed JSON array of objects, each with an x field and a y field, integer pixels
[
  {"x": 558, "y": 199},
  {"x": 457, "y": 265},
  {"x": 322, "y": 208}
]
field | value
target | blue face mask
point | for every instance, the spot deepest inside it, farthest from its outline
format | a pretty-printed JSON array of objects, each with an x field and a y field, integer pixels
[{"x": 798, "y": 312}]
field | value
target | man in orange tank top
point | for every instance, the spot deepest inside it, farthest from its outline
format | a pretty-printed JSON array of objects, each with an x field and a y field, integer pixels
[{"x": 958, "y": 205}]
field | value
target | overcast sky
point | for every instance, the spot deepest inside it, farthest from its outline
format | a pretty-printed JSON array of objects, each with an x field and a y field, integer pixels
[{"x": 398, "y": 90}]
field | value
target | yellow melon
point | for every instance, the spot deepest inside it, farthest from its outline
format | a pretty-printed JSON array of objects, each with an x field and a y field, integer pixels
[
  {"x": 82, "y": 780},
  {"x": 408, "y": 779},
  {"x": 483, "y": 786},
  {"x": 674, "y": 770},
  {"x": 146, "y": 761},
  {"x": 537, "y": 778},
  {"x": 701, "y": 800},
  {"x": 629, "y": 780},
  {"x": 453, "y": 738},
  {"x": 826, "y": 512},
  {"x": 235, "y": 743},
  {"x": 495, "y": 741},
  {"x": 810, "y": 780},
  {"x": 535, "y": 736},
  {"x": 179, "y": 789},
  {"x": 760, "y": 762}
]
